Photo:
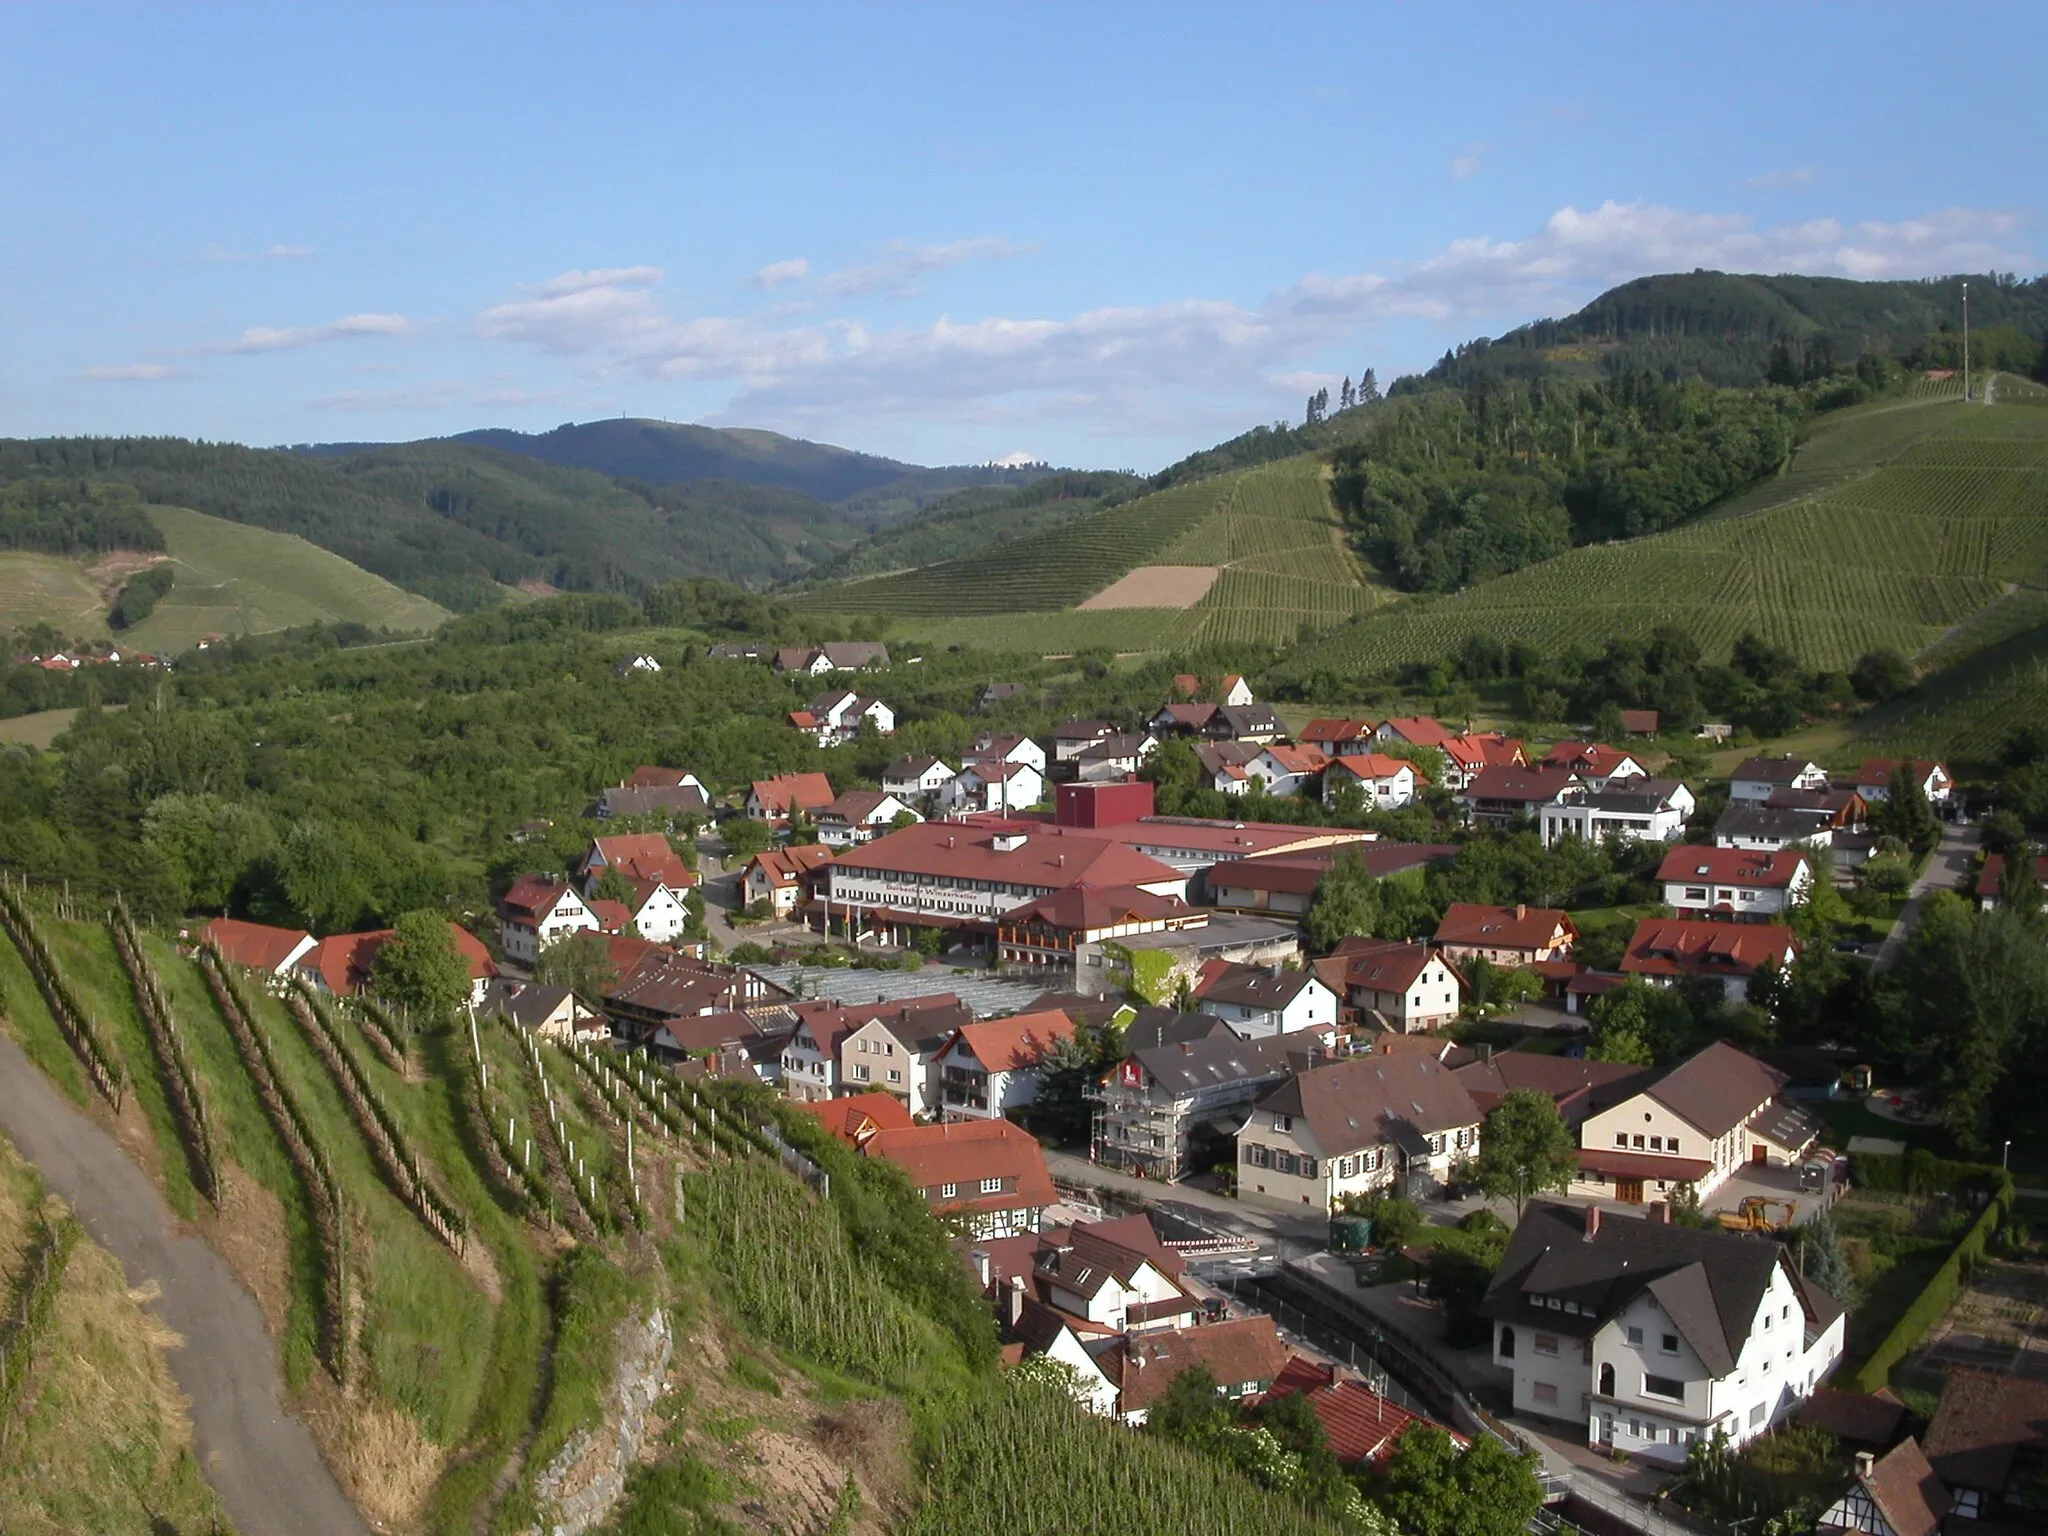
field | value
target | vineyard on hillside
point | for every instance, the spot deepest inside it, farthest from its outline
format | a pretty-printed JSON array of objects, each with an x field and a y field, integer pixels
[{"x": 1937, "y": 529}]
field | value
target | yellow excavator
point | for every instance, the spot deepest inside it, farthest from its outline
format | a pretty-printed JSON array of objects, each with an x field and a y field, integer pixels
[{"x": 1754, "y": 1214}]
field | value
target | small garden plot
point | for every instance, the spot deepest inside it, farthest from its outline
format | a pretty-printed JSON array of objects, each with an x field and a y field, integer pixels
[{"x": 1893, "y": 1248}]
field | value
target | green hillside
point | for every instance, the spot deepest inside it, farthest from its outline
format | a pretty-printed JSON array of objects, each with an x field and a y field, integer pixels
[
  {"x": 1283, "y": 566},
  {"x": 231, "y": 580},
  {"x": 973, "y": 520},
  {"x": 1894, "y": 523}
]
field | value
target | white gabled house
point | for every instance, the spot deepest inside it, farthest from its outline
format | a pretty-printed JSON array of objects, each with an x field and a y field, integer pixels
[
  {"x": 859, "y": 816},
  {"x": 1874, "y": 779},
  {"x": 1758, "y": 778},
  {"x": 913, "y": 778},
  {"x": 536, "y": 912},
  {"x": 1259, "y": 1001},
  {"x": 1388, "y": 783},
  {"x": 1286, "y": 771},
  {"x": 1410, "y": 985},
  {"x": 1734, "y": 884},
  {"x": 1010, "y": 749},
  {"x": 1655, "y": 1337},
  {"x": 991, "y": 1067}
]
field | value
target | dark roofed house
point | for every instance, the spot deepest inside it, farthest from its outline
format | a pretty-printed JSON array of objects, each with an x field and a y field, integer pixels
[
  {"x": 672, "y": 803},
  {"x": 1254, "y": 724},
  {"x": 1578, "y": 1086},
  {"x": 1405, "y": 987},
  {"x": 1868, "y": 1420},
  {"x": 549, "y": 1012},
  {"x": 1396, "y": 1118},
  {"x": 1261, "y": 1000},
  {"x": 989, "y": 1174},
  {"x": 1896, "y": 1494},
  {"x": 1244, "y": 1355},
  {"x": 1763, "y": 827},
  {"x": 1989, "y": 1444},
  {"x": 1652, "y": 1337},
  {"x": 1172, "y": 1106},
  {"x": 1497, "y": 796},
  {"x": 1050, "y": 931},
  {"x": 1991, "y": 881},
  {"x": 1639, "y": 722}
]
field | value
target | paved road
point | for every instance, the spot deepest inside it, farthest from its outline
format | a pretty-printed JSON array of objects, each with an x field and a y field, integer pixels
[
  {"x": 261, "y": 1460},
  {"x": 1945, "y": 869}
]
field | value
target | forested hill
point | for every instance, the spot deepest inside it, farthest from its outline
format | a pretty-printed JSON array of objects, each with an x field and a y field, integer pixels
[
  {"x": 1726, "y": 327},
  {"x": 680, "y": 453},
  {"x": 460, "y": 523}
]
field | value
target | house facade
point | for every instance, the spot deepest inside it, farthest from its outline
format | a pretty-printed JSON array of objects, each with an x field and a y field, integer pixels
[
  {"x": 1409, "y": 985},
  {"x": 1758, "y": 778},
  {"x": 1642, "y": 810},
  {"x": 1734, "y": 884},
  {"x": 1664, "y": 950},
  {"x": 859, "y": 815},
  {"x": 987, "y": 1174},
  {"x": 534, "y": 913},
  {"x": 1396, "y": 1118},
  {"x": 989, "y": 1068},
  {"x": 1173, "y": 1105},
  {"x": 1259, "y": 1001},
  {"x": 1655, "y": 1337},
  {"x": 1387, "y": 783},
  {"x": 779, "y": 876},
  {"x": 787, "y": 795},
  {"x": 914, "y": 779},
  {"x": 1505, "y": 936}
]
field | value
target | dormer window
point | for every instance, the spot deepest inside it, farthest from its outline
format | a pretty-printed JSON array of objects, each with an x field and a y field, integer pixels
[{"x": 1283, "y": 1122}]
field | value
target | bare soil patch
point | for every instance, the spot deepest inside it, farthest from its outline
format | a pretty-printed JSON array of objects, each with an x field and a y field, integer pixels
[{"x": 1156, "y": 586}]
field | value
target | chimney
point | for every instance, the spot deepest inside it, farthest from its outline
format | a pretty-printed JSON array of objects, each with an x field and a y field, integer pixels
[
  {"x": 982, "y": 1268},
  {"x": 1866, "y": 1463},
  {"x": 1013, "y": 1309},
  {"x": 1521, "y": 910},
  {"x": 1592, "y": 1222}
]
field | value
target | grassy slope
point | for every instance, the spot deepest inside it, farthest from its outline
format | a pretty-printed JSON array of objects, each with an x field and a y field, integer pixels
[
  {"x": 105, "y": 1445},
  {"x": 232, "y": 579},
  {"x": 1285, "y": 567},
  {"x": 1896, "y": 524}
]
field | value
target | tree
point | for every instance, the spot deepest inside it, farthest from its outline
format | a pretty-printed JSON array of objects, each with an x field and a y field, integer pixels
[
  {"x": 1192, "y": 1410},
  {"x": 1822, "y": 1261},
  {"x": 1524, "y": 1147},
  {"x": 1621, "y": 1029},
  {"x": 2019, "y": 882},
  {"x": 612, "y": 886},
  {"x": 580, "y": 961},
  {"x": 420, "y": 967},
  {"x": 1346, "y": 902},
  {"x": 1904, "y": 812},
  {"x": 744, "y": 837},
  {"x": 1368, "y": 388},
  {"x": 1880, "y": 675},
  {"x": 1395, "y": 1221},
  {"x": 1434, "y": 1489}
]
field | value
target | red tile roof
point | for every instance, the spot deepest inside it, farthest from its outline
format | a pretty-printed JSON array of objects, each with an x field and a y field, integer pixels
[
  {"x": 1532, "y": 786},
  {"x": 256, "y": 946},
  {"x": 1877, "y": 772},
  {"x": 1985, "y": 1423},
  {"x": 345, "y": 961},
  {"x": 1049, "y": 857},
  {"x": 1360, "y": 1425},
  {"x": 1318, "y": 732},
  {"x": 1518, "y": 927},
  {"x": 1083, "y": 907},
  {"x": 1419, "y": 730},
  {"x": 1482, "y": 749},
  {"x": 1639, "y": 722},
  {"x": 532, "y": 897},
  {"x": 1381, "y": 965},
  {"x": 642, "y": 856},
  {"x": 1906, "y": 1492},
  {"x": 1241, "y": 1350},
  {"x": 787, "y": 866},
  {"x": 1021, "y": 1040},
  {"x": 1642, "y": 1165},
  {"x": 1993, "y": 873},
  {"x": 793, "y": 791},
  {"x": 1731, "y": 866},
  {"x": 1667, "y": 946},
  {"x": 857, "y": 1117},
  {"x": 1376, "y": 765},
  {"x": 1593, "y": 759},
  {"x": 647, "y": 777},
  {"x": 963, "y": 1154}
]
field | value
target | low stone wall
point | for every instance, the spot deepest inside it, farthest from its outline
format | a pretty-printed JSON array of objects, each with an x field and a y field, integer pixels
[{"x": 581, "y": 1486}]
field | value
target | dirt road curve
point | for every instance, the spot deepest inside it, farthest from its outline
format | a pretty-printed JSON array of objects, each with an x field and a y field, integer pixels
[{"x": 258, "y": 1457}]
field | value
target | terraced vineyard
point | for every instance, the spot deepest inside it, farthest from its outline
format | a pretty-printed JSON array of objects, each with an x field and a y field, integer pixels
[
  {"x": 1285, "y": 569},
  {"x": 1949, "y": 515},
  {"x": 1964, "y": 713}
]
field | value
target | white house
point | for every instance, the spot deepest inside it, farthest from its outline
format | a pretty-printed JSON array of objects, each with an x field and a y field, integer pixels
[
  {"x": 1642, "y": 810},
  {"x": 1396, "y": 1119},
  {"x": 1758, "y": 778},
  {"x": 1409, "y": 985},
  {"x": 1259, "y": 1001},
  {"x": 657, "y": 913},
  {"x": 1897, "y": 1494},
  {"x": 1734, "y": 884},
  {"x": 837, "y": 716},
  {"x": 536, "y": 912},
  {"x": 1655, "y": 1336},
  {"x": 911, "y": 779},
  {"x": 1011, "y": 749},
  {"x": 1874, "y": 778},
  {"x": 1756, "y": 828},
  {"x": 1116, "y": 756},
  {"x": 992, "y": 784},
  {"x": 990, "y": 1068},
  {"x": 640, "y": 662},
  {"x": 1718, "y": 1110},
  {"x": 1286, "y": 771},
  {"x": 1234, "y": 692},
  {"x": 858, "y": 816},
  {"x": 1388, "y": 783}
]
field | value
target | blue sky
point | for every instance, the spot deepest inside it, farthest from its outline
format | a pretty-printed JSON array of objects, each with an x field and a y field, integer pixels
[{"x": 1104, "y": 236}]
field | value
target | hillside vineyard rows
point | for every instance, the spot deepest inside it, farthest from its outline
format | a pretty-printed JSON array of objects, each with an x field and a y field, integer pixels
[{"x": 1892, "y": 556}]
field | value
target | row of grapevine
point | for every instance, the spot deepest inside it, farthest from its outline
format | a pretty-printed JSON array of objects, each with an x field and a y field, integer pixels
[
  {"x": 1021, "y": 1458},
  {"x": 396, "y": 1159},
  {"x": 623, "y": 1180},
  {"x": 495, "y": 1129},
  {"x": 688, "y": 1113},
  {"x": 80, "y": 1030},
  {"x": 565, "y": 1169},
  {"x": 787, "y": 1262},
  {"x": 174, "y": 1062},
  {"x": 295, "y": 1132},
  {"x": 32, "y": 1301},
  {"x": 384, "y": 1033}
]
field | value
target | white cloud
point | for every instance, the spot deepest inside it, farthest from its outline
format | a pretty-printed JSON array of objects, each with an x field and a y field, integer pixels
[
  {"x": 1466, "y": 165},
  {"x": 268, "y": 253},
  {"x": 269, "y": 338},
  {"x": 422, "y": 397},
  {"x": 1778, "y": 181},
  {"x": 129, "y": 373},
  {"x": 776, "y": 273},
  {"x": 1166, "y": 366},
  {"x": 897, "y": 272}
]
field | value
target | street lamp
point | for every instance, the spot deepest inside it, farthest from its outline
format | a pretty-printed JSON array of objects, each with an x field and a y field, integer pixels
[
  {"x": 1521, "y": 1174},
  {"x": 2005, "y": 1152}
]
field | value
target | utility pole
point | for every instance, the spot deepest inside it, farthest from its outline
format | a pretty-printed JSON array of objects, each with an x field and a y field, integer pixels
[{"x": 1966, "y": 343}]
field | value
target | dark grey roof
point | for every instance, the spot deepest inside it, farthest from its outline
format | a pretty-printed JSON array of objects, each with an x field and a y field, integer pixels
[
  {"x": 628, "y": 801},
  {"x": 526, "y": 1003},
  {"x": 1708, "y": 1282},
  {"x": 1254, "y": 986},
  {"x": 1222, "y": 1058},
  {"x": 1248, "y": 719},
  {"x": 1766, "y": 823},
  {"x": 1770, "y": 770},
  {"x": 1363, "y": 1100},
  {"x": 1717, "y": 1088},
  {"x": 1785, "y": 1124},
  {"x": 1152, "y": 1027},
  {"x": 1624, "y": 802}
]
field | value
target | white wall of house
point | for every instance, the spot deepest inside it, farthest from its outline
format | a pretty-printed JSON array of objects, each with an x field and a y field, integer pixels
[
  {"x": 523, "y": 942},
  {"x": 871, "y": 1057},
  {"x": 1644, "y": 1127},
  {"x": 1389, "y": 793},
  {"x": 1273, "y": 1149},
  {"x": 1743, "y": 901},
  {"x": 1810, "y": 776},
  {"x": 662, "y": 916},
  {"x": 808, "y": 1070},
  {"x": 1314, "y": 1006},
  {"x": 1431, "y": 1001},
  {"x": 1589, "y": 824},
  {"x": 924, "y": 784}
]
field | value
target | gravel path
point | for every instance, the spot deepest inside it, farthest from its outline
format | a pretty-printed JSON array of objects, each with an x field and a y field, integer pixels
[{"x": 259, "y": 1458}]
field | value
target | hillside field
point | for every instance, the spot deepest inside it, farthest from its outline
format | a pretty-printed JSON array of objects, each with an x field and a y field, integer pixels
[
  {"x": 1284, "y": 569},
  {"x": 1895, "y": 524},
  {"x": 232, "y": 580}
]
